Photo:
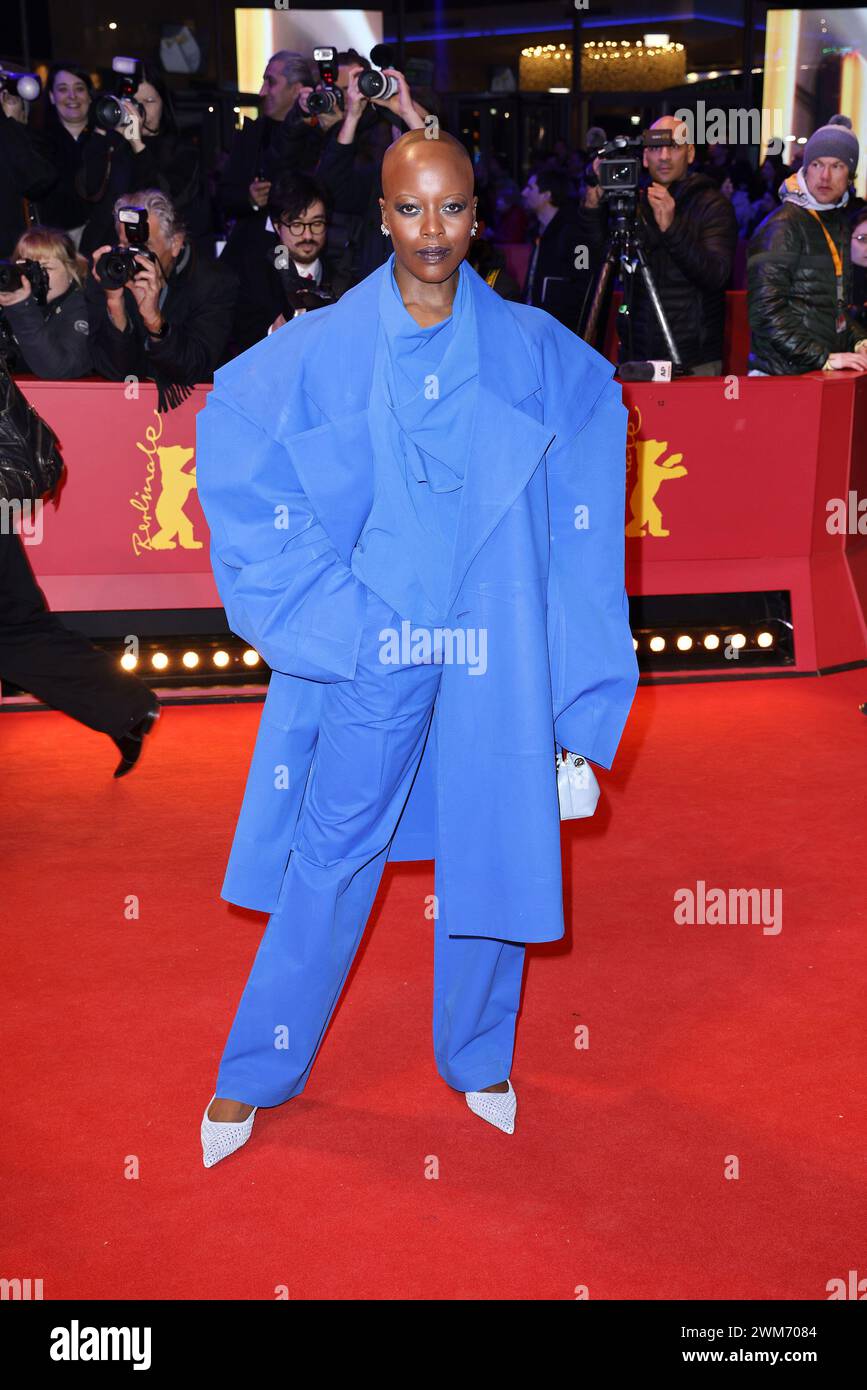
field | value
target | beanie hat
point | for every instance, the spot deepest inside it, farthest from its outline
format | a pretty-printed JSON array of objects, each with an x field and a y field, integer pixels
[{"x": 836, "y": 140}]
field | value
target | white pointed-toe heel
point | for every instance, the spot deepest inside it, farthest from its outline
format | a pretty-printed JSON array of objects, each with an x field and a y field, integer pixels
[
  {"x": 221, "y": 1138},
  {"x": 497, "y": 1107}
]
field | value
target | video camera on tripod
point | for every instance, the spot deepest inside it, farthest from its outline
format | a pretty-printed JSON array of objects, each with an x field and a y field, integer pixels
[
  {"x": 620, "y": 172},
  {"x": 619, "y": 177}
]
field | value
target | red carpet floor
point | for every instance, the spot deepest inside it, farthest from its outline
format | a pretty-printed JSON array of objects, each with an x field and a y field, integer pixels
[{"x": 709, "y": 1045}]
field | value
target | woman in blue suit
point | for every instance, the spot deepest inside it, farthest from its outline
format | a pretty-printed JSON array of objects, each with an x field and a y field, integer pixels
[{"x": 416, "y": 504}]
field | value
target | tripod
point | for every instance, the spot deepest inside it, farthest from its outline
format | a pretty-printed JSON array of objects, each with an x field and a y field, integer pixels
[{"x": 625, "y": 247}]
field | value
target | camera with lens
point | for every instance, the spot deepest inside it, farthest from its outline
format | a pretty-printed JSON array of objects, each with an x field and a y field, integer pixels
[
  {"x": 327, "y": 96},
  {"x": 12, "y": 271},
  {"x": 25, "y": 85},
  {"x": 108, "y": 109},
  {"x": 375, "y": 84},
  {"x": 308, "y": 298},
  {"x": 118, "y": 265},
  {"x": 620, "y": 171}
]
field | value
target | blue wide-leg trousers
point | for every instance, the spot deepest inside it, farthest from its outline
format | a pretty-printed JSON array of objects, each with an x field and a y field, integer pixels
[{"x": 372, "y": 734}]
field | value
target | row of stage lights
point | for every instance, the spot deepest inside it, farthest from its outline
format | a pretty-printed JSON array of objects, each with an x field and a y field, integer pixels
[
  {"x": 653, "y": 642},
  {"x": 711, "y": 642},
  {"x": 192, "y": 660}
]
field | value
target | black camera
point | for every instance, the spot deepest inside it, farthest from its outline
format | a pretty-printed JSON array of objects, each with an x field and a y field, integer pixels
[
  {"x": 118, "y": 265},
  {"x": 12, "y": 271},
  {"x": 308, "y": 298},
  {"x": 328, "y": 96},
  {"x": 376, "y": 84},
  {"x": 109, "y": 113},
  {"x": 619, "y": 171},
  {"x": 25, "y": 85}
]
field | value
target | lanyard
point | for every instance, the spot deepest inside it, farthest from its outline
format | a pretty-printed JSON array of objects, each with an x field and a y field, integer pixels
[{"x": 838, "y": 270}]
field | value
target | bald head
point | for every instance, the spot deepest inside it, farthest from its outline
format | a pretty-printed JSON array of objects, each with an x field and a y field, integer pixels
[
  {"x": 414, "y": 153},
  {"x": 428, "y": 207},
  {"x": 668, "y": 163}
]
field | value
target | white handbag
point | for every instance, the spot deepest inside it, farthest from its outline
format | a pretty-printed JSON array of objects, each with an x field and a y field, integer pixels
[{"x": 577, "y": 787}]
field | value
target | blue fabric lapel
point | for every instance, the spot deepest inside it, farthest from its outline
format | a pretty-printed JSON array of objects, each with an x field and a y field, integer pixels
[{"x": 334, "y": 461}]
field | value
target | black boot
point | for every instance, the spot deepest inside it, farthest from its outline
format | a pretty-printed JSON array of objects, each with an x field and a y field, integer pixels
[{"x": 130, "y": 743}]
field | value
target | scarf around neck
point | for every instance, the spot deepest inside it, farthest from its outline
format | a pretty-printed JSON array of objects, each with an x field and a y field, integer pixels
[{"x": 428, "y": 379}]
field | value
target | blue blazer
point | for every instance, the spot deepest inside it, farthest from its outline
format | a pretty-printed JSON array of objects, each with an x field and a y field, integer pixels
[{"x": 285, "y": 478}]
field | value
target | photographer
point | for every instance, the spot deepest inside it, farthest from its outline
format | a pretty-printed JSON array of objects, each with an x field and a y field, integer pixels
[
  {"x": 280, "y": 138},
  {"x": 171, "y": 321},
  {"x": 276, "y": 263},
  {"x": 157, "y": 155},
  {"x": 799, "y": 271},
  {"x": 351, "y": 163},
  {"x": 93, "y": 167},
  {"x": 554, "y": 283},
  {"x": 24, "y": 172},
  {"x": 689, "y": 233},
  {"x": 48, "y": 322}
]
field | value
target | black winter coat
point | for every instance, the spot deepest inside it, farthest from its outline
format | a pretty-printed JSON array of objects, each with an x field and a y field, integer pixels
[
  {"x": 292, "y": 145},
  {"x": 52, "y": 340},
  {"x": 792, "y": 291},
  {"x": 557, "y": 285}
]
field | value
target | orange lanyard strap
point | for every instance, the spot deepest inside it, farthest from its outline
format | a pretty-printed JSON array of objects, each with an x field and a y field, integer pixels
[{"x": 835, "y": 255}]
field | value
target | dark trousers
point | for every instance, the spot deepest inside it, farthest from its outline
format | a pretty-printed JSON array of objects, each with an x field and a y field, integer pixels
[{"x": 56, "y": 664}]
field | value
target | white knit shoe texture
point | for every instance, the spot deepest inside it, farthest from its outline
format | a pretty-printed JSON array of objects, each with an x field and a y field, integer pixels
[
  {"x": 219, "y": 1138},
  {"x": 497, "y": 1107}
]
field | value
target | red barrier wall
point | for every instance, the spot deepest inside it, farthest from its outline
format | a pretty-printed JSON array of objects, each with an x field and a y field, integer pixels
[{"x": 728, "y": 486}]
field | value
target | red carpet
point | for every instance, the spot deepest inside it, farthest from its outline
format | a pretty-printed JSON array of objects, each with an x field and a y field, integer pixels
[{"x": 707, "y": 1043}]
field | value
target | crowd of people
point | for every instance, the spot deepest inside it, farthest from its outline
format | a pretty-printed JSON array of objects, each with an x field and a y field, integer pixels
[{"x": 134, "y": 261}]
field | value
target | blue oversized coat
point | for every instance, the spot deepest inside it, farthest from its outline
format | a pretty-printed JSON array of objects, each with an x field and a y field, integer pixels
[{"x": 285, "y": 477}]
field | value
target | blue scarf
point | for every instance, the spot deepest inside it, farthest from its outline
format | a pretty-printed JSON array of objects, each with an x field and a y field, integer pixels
[{"x": 421, "y": 413}]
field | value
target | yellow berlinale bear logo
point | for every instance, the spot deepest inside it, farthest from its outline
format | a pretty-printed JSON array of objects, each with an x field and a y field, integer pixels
[
  {"x": 648, "y": 470},
  {"x": 164, "y": 524}
]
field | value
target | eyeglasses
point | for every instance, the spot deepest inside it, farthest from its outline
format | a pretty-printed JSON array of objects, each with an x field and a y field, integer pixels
[{"x": 317, "y": 226}]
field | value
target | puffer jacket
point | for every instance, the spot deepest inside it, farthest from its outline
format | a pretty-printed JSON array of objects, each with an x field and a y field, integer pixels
[
  {"x": 792, "y": 291},
  {"x": 691, "y": 265}
]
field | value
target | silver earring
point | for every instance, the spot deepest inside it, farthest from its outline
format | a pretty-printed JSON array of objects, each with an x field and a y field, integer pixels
[
  {"x": 474, "y": 229},
  {"x": 384, "y": 229}
]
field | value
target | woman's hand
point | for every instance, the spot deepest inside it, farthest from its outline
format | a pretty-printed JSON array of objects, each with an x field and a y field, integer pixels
[
  {"x": 131, "y": 129},
  {"x": 402, "y": 104},
  {"x": 13, "y": 106},
  {"x": 17, "y": 296}
]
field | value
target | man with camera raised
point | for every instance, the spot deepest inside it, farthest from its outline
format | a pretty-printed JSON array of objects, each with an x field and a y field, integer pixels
[
  {"x": 157, "y": 310},
  {"x": 689, "y": 234},
  {"x": 280, "y": 137}
]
